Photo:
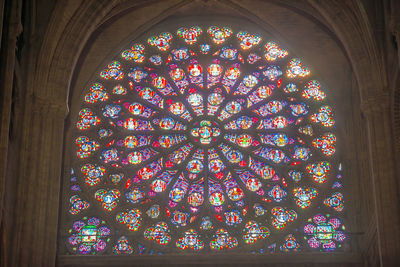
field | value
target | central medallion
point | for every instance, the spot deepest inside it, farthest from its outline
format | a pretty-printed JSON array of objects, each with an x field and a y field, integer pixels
[{"x": 205, "y": 132}]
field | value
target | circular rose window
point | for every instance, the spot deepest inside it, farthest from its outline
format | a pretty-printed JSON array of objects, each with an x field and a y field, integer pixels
[{"x": 204, "y": 139}]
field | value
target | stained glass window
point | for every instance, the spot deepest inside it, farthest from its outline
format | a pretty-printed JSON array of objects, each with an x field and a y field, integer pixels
[{"x": 205, "y": 139}]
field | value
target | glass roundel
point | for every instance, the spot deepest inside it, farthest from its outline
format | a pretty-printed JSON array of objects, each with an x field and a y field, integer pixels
[{"x": 205, "y": 139}]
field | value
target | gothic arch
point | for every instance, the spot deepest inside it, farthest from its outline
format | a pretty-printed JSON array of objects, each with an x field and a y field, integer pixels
[
  {"x": 110, "y": 49},
  {"x": 79, "y": 29}
]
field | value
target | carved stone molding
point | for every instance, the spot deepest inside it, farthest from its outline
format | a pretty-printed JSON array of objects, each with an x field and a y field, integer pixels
[{"x": 349, "y": 20}]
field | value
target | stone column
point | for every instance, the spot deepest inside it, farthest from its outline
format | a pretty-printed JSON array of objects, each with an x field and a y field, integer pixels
[
  {"x": 384, "y": 181},
  {"x": 12, "y": 28},
  {"x": 33, "y": 237}
]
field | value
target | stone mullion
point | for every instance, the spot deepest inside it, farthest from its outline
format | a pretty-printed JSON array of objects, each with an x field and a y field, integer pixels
[
  {"x": 384, "y": 181},
  {"x": 39, "y": 187}
]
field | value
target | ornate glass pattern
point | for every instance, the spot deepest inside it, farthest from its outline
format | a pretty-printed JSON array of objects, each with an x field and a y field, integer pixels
[{"x": 204, "y": 139}]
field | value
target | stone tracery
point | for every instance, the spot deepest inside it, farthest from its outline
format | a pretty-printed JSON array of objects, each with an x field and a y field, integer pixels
[{"x": 213, "y": 136}]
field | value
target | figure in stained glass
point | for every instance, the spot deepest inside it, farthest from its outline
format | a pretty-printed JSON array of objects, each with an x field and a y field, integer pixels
[{"x": 202, "y": 138}]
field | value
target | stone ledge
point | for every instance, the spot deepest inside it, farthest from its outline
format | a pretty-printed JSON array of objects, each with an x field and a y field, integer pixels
[{"x": 317, "y": 258}]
